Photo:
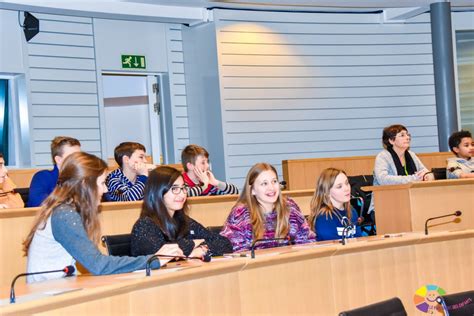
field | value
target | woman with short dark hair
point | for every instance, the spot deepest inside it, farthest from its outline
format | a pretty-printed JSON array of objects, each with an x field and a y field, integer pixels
[{"x": 397, "y": 164}]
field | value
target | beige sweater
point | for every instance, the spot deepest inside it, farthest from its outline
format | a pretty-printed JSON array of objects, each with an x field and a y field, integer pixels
[{"x": 8, "y": 198}]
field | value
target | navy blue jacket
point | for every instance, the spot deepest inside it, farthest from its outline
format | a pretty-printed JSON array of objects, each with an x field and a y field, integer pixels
[
  {"x": 42, "y": 184},
  {"x": 331, "y": 228}
]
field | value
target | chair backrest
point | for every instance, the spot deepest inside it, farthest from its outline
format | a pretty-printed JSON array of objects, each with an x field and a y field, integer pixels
[
  {"x": 24, "y": 193},
  {"x": 357, "y": 182},
  {"x": 391, "y": 307},
  {"x": 459, "y": 304},
  {"x": 439, "y": 173},
  {"x": 118, "y": 245}
]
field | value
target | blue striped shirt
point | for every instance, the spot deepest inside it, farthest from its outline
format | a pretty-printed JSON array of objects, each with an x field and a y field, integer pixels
[{"x": 122, "y": 189}]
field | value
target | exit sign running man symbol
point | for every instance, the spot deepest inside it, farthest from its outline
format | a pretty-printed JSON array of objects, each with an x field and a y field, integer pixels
[{"x": 133, "y": 62}]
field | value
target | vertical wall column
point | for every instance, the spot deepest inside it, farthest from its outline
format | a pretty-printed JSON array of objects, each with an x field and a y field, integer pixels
[{"x": 443, "y": 63}]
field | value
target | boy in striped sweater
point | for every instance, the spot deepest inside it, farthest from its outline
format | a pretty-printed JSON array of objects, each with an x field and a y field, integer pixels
[
  {"x": 199, "y": 180},
  {"x": 127, "y": 183}
]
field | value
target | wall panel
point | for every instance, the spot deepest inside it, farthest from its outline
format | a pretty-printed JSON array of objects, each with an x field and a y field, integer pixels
[
  {"x": 300, "y": 85},
  {"x": 63, "y": 87},
  {"x": 178, "y": 93}
]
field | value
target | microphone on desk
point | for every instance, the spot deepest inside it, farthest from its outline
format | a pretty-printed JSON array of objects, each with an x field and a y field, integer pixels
[
  {"x": 345, "y": 233},
  {"x": 457, "y": 214},
  {"x": 290, "y": 239},
  {"x": 205, "y": 258},
  {"x": 69, "y": 270}
]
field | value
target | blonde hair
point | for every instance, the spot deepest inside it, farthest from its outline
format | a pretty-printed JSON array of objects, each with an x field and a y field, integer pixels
[
  {"x": 321, "y": 202},
  {"x": 77, "y": 186},
  {"x": 257, "y": 216}
]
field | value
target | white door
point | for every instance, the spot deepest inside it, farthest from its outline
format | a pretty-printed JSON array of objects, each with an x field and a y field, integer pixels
[{"x": 131, "y": 113}]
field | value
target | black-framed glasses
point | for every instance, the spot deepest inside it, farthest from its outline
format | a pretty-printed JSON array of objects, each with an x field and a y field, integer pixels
[
  {"x": 403, "y": 135},
  {"x": 176, "y": 189}
]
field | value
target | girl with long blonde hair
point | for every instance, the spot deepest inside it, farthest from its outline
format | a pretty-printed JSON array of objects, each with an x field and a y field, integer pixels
[
  {"x": 331, "y": 211},
  {"x": 261, "y": 212},
  {"x": 67, "y": 227}
]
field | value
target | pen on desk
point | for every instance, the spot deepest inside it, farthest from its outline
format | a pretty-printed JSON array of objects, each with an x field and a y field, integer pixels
[
  {"x": 392, "y": 235},
  {"x": 235, "y": 255}
]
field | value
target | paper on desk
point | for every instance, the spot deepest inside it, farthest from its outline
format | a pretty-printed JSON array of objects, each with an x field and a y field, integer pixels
[{"x": 39, "y": 295}]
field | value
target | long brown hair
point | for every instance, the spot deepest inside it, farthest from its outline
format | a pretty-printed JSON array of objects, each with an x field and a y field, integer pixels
[
  {"x": 77, "y": 186},
  {"x": 257, "y": 216},
  {"x": 321, "y": 201},
  {"x": 160, "y": 181}
]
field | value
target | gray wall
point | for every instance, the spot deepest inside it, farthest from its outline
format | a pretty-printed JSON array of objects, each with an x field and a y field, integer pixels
[
  {"x": 63, "y": 65},
  {"x": 177, "y": 90},
  {"x": 202, "y": 76},
  {"x": 62, "y": 83},
  {"x": 291, "y": 85},
  {"x": 114, "y": 38},
  {"x": 11, "y": 48},
  {"x": 298, "y": 85},
  {"x": 162, "y": 45}
]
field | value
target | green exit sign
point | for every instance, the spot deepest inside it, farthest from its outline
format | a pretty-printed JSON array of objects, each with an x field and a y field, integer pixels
[{"x": 133, "y": 62}]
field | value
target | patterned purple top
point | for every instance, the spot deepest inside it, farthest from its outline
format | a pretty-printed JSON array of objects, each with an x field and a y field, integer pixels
[{"x": 238, "y": 228}]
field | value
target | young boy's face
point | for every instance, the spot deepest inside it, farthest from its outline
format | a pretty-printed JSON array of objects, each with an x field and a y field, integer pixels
[
  {"x": 201, "y": 163},
  {"x": 465, "y": 149},
  {"x": 137, "y": 157}
]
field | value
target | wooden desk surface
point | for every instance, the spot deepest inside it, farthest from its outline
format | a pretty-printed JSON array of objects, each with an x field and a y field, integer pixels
[
  {"x": 420, "y": 184},
  {"x": 312, "y": 279},
  {"x": 406, "y": 207},
  {"x": 116, "y": 218}
]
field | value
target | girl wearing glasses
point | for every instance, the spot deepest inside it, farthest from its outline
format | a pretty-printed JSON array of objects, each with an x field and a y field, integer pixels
[
  {"x": 396, "y": 164},
  {"x": 163, "y": 220}
]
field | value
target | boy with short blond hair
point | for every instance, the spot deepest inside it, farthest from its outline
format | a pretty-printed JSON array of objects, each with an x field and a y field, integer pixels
[
  {"x": 461, "y": 166},
  {"x": 199, "y": 180},
  {"x": 44, "y": 181},
  {"x": 127, "y": 183}
]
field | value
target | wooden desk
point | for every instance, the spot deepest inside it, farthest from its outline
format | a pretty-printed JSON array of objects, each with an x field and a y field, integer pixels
[
  {"x": 312, "y": 279},
  {"x": 405, "y": 208},
  {"x": 301, "y": 174},
  {"x": 116, "y": 218}
]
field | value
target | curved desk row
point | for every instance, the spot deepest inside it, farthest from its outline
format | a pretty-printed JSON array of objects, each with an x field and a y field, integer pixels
[
  {"x": 313, "y": 279},
  {"x": 116, "y": 218}
]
